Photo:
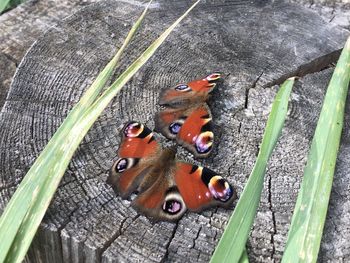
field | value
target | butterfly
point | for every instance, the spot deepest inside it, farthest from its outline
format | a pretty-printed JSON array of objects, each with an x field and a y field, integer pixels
[
  {"x": 166, "y": 187},
  {"x": 186, "y": 117}
]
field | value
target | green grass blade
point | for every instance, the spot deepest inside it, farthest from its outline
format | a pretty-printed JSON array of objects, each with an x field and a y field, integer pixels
[
  {"x": 32, "y": 181},
  {"x": 9, "y": 4},
  {"x": 244, "y": 257},
  {"x": 64, "y": 153},
  {"x": 310, "y": 211},
  {"x": 233, "y": 241},
  {"x": 3, "y": 5}
]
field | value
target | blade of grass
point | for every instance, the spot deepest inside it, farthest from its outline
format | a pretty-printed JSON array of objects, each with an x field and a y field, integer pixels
[
  {"x": 6, "y": 5},
  {"x": 310, "y": 211},
  {"x": 9, "y": 228},
  {"x": 233, "y": 241},
  {"x": 244, "y": 257},
  {"x": 67, "y": 149},
  {"x": 3, "y": 5}
]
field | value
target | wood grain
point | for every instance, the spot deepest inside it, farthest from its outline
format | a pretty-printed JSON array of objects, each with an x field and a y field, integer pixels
[
  {"x": 20, "y": 28},
  {"x": 254, "y": 44}
]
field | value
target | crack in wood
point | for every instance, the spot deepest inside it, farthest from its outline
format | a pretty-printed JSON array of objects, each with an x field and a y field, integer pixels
[
  {"x": 165, "y": 257},
  {"x": 196, "y": 237},
  {"x": 115, "y": 236},
  {"x": 251, "y": 87}
]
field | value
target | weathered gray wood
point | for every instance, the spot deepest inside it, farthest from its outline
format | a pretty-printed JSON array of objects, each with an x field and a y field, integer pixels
[
  {"x": 254, "y": 44},
  {"x": 20, "y": 28},
  {"x": 336, "y": 12}
]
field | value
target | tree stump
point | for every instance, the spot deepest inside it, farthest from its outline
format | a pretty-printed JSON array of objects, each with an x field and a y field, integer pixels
[{"x": 255, "y": 44}]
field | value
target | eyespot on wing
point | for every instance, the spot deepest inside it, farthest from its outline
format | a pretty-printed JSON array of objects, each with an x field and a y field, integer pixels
[{"x": 220, "y": 188}]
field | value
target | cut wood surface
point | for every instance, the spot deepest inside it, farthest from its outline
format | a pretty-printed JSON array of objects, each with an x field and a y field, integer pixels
[
  {"x": 20, "y": 28},
  {"x": 255, "y": 44}
]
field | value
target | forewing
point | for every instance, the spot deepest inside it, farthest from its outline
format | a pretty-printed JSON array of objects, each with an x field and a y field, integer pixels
[
  {"x": 136, "y": 155},
  {"x": 184, "y": 94}
]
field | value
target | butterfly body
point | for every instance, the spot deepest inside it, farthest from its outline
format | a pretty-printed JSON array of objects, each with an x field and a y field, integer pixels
[
  {"x": 166, "y": 187},
  {"x": 186, "y": 117}
]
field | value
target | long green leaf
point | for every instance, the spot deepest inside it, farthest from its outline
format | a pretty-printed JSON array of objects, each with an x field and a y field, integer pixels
[
  {"x": 233, "y": 241},
  {"x": 66, "y": 150},
  {"x": 244, "y": 257},
  {"x": 9, "y": 4},
  {"x": 33, "y": 180},
  {"x": 3, "y": 5},
  {"x": 310, "y": 211}
]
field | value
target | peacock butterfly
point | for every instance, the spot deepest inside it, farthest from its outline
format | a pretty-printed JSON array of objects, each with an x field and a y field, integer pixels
[
  {"x": 166, "y": 187},
  {"x": 186, "y": 117}
]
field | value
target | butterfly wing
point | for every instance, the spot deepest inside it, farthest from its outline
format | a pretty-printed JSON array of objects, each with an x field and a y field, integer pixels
[
  {"x": 136, "y": 155},
  {"x": 181, "y": 186},
  {"x": 165, "y": 187},
  {"x": 143, "y": 167},
  {"x": 186, "y": 117},
  {"x": 201, "y": 187},
  {"x": 191, "y": 127},
  {"x": 162, "y": 201},
  {"x": 196, "y": 90}
]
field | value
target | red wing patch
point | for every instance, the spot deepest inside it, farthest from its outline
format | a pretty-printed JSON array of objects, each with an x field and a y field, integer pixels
[
  {"x": 161, "y": 201},
  {"x": 201, "y": 187},
  {"x": 137, "y": 141},
  {"x": 191, "y": 127},
  {"x": 196, "y": 132},
  {"x": 206, "y": 84},
  {"x": 192, "y": 91},
  {"x": 191, "y": 187},
  {"x": 137, "y": 148}
]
